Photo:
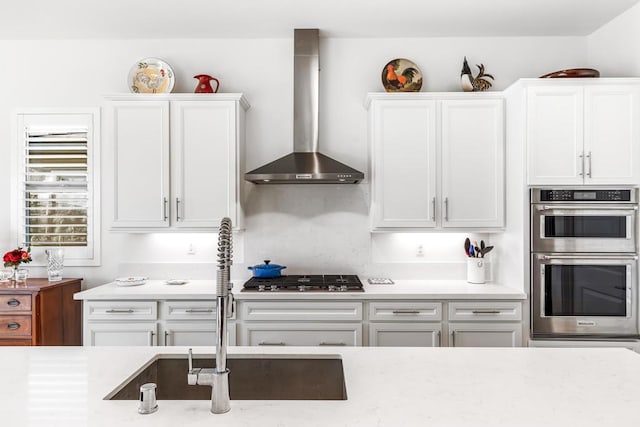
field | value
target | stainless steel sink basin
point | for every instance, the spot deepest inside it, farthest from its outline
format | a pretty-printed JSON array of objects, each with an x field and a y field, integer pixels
[{"x": 276, "y": 377}]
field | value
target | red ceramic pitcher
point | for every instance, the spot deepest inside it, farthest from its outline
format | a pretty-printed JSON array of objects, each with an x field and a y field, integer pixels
[{"x": 204, "y": 84}]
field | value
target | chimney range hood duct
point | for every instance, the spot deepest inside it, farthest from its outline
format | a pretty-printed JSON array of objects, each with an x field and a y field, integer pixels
[{"x": 305, "y": 165}]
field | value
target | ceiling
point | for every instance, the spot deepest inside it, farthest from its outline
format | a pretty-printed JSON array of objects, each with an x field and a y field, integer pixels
[{"x": 124, "y": 19}]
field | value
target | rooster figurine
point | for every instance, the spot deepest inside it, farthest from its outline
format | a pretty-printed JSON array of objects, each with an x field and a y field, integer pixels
[{"x": 477, "y": 83}]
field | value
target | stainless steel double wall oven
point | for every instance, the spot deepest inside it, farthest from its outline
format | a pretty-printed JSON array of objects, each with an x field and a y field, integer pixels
[{"x": 584, "y": 262}]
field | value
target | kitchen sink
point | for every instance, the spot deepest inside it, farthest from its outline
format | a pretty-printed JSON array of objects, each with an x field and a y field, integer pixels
[{"x": 251, "y": 377}]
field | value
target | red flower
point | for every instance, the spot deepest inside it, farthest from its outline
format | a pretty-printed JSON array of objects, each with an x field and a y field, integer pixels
[{"x": 16, "y": 256}]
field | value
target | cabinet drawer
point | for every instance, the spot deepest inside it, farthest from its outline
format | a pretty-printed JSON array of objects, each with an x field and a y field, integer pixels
[
  {"x": 405, "y": 334},
  {"x": 15, "y": 326},
  {"x": 405, "y": 311},
  {"x": 124, "y": 310},
  {"x": 188, "y": 310},
  {"x": 15, "y": 303},
  {"x": 494, "y": 311},
  {"x": 338, "y": 311},
  {"x": 302, "y": 334}
]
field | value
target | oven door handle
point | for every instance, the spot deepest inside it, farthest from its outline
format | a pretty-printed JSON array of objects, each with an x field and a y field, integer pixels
[
  {"x": 625, "y": 209},
  {"x": 591, "y": 257}
]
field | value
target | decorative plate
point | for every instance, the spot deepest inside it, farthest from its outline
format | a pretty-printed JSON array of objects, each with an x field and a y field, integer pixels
[
  {"x": 151, "y": 75},
  {"x": 175, "y": 282},
  {"x": 572, "y": 73},
  {"x": 401, "y": 75},
  {"x": 130, "y": 281}
]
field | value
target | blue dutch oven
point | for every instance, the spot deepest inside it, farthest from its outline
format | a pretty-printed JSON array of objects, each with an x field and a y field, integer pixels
[{"x": 266, "y": 270}]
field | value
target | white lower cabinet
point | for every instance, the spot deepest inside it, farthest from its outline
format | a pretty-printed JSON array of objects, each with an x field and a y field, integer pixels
[
  {"x": 302, "y": 334},
  {"x": 150, "y": 323},
  {"x": 121, "y": 333},
  {"x": 485, "y": 324},
  {"x": 195, "y": 333},
  {"x": 405, "y": 334},
  {"x": 485, "y": 335}
]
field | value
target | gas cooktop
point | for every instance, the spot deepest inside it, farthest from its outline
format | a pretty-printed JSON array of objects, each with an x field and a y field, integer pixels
[{"x": 314, "y": 283}]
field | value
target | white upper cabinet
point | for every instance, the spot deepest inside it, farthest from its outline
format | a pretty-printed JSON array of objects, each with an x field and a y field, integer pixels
[
  {"x": 140, "y": 138},
  {"x": 583, "y": 134},
  {"x": 437, "y": 162},
  {"x": 404, "y": 164},
  {"x": 176, "y": 161},
  {"x": 473, "y": 163}
]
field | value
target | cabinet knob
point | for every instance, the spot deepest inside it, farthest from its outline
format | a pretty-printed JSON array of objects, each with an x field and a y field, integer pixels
[
  {"x": 13, "y": 302},
  {"x": 13, "y": 326}
]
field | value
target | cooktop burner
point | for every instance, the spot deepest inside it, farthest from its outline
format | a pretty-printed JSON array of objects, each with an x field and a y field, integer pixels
[{"x": 315, "y": 283}]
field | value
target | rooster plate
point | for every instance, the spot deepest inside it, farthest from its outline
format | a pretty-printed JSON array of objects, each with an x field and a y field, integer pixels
[{"x": 401, "y": 75}]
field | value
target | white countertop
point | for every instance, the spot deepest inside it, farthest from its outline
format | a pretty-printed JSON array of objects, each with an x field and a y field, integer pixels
[
  {"x": 402, "y": 289},
  {"x": 506, "y": 387}
]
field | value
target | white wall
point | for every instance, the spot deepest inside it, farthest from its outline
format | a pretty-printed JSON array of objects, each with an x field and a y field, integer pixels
[
  {"x": 613, "y": 49},
  {"x": 308, "y": 228}
]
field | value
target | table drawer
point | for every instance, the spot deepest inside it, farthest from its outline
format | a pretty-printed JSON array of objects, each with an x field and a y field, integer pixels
[
  {"x": 18, "y": 302},
  {"x": 405, "y": 311},
  {"x": 121, "y": 310},
  {"x": 494, "y": 311},
  {"x": 302, "y": 311},
  {"x": 15, "y": 326}
]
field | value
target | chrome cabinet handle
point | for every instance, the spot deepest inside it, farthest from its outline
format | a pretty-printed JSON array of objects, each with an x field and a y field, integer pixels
[
  {"x": 13, "y": 326},
  {"x": 630, "y": 209},
  {"x": 581, "y": 157},
  {"x": 166, "y": 337},
  {"x": 406, "y": 311},
  {"x": 119, "y": 310},
  {"x": 486, "y": 311},
  {"x": 271, "y": 343},
  {"x": 151, "y": 335},
  {"x": 433, "y": 209},
  {"x": 439, "y": 338},
  {"x": 166, "y": 202},
  {"x": 341, "y": 343},
  {"x": 446, "y": 209},
  {"x": 590, "y": 257},
  {"x": 178, "y": 209},
  {"x": 13, "y": 302},
  {"x": 199, "y": 310},
  {"x": 453, "y": 338},
  {"x": 589, "y": 164}
]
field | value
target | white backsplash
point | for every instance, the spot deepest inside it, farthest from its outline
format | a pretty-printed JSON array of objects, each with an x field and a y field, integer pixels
[{"x": 317, "y": 229}]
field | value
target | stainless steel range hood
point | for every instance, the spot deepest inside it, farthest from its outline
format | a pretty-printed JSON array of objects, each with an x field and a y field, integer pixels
[{"x": 305, "y": 165}]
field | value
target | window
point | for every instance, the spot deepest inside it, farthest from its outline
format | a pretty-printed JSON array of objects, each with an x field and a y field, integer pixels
[{"x": 58, "y": 186}]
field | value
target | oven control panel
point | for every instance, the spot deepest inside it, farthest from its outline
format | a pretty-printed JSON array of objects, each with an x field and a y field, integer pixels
[{"x": 585, "y": 195}]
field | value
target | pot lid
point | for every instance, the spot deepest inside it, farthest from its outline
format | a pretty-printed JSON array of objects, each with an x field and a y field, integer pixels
[{"x": 267, "y": 266}]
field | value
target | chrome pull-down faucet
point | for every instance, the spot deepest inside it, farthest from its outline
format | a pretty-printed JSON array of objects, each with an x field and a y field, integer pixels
[{"x": 218, "y": 377}]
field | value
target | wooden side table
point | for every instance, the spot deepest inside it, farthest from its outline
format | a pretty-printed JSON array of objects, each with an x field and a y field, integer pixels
[{"x": 40, "y": 313}]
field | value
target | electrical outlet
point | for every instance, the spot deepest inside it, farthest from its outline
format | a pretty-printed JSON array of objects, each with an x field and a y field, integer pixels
[
  {"x": 191, "y": 250},
  {"x": 420, "y": 251}
]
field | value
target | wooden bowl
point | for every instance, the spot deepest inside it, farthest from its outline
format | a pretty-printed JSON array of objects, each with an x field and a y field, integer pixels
[{"x": 572, "y": 73}]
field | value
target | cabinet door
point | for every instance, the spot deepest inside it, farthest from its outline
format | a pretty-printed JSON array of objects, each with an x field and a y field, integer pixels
[
  {"x": 404, "y": 164},
  {"x": 204, "y": 162},
  {"x": 300, "y": 334},
  {"x": 555, "y": 135},
  {"x": 195, "y": 333},
  {"x": 485, "y": 335},
  {"x": 120, "y": 334},
  {"x": 473, "y": 163},
  {"x": 404, "y": 334},
  {"x": 611, "y": 148},
  {"x": 140, "y": 138}
]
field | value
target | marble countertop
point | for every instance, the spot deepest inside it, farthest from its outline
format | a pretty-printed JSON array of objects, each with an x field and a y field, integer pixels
[
  {"x": 506, "y": 387},
  {"x": 402, "y": 289}
]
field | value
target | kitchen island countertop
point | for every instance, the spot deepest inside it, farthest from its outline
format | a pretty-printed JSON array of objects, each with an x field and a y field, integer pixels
[
  {"x": 402, "y": 289},
  {"x": 65, "y": 386}
]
